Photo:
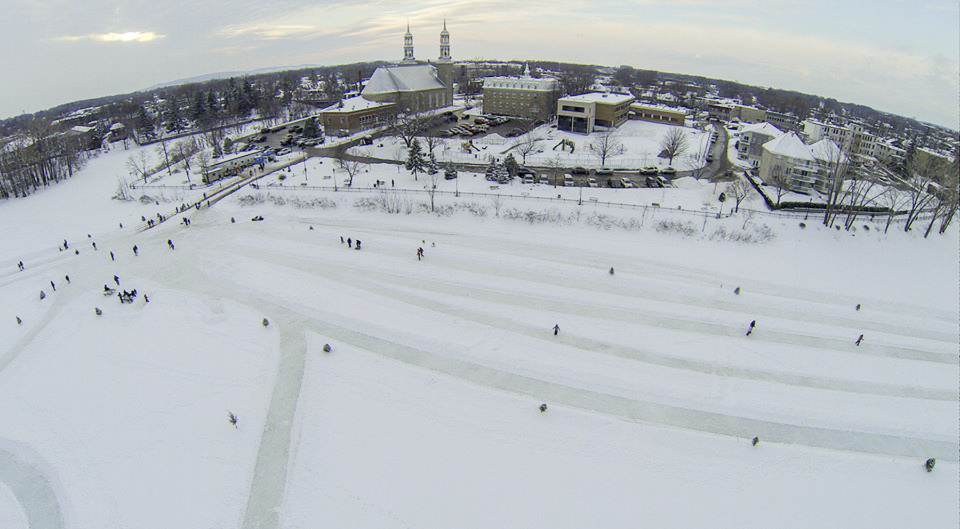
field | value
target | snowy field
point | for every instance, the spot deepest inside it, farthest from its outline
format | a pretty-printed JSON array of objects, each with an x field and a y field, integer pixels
[
  {"x": 425, "y": 413},
  {"x": 640, "y": 142}
]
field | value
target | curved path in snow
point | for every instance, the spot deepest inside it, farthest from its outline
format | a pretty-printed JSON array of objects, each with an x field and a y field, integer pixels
[{"x": 29, "y": 486}]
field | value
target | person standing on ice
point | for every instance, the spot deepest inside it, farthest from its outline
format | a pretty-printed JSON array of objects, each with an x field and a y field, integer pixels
[
  {"x": 349, "y": 242},
  {"x": 860, "y": 339},
  {"x": 752, "y": 325},
  {"x": 556, "y": 329}
]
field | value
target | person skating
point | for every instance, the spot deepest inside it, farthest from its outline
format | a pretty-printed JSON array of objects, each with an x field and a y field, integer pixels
[
  {"x": 755, "y": 441},
  {"x": 116, "y": 280},
  {"x": 858, "y": 306},
  {"x": 860, "y": 339},
  {"x": 265, "y": 322},
  {"x": 419, "y": 253},
  {"x": 43, "y": 295},
  {"x": 94, "y": 246},
  {"x": 170, "y": 244},
  {"x": 349, "y": 242},
  {"x": 20, "y": 265},
  {"x": 146, "y": 299},
  {"x": 111, "y": 257},
  {"x": 753, "y": 324},
  {"x": 97, "y": 311},
  {"x": 357, "y": 246},
  {"x": 232, "y": 419},
  {"x": 65, "y": 246},
  {"x": 556, "y": 329},
  {"x": 543, "y": 407},
  {"x": 135, "y": 253},
  {"x": 19, "y": 321},
  {"x": 930, "y": 464},
  {"x": 736, "y": 291},
  {"x": 53, "y": 286},
  {"x": 341, "y": 239},
  {"x": 67, "y": 278}
]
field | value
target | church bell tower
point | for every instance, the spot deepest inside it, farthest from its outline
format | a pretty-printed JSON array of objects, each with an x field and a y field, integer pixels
[
  {"x": 445, "y": 65},
  {"x": 408, "y": 46}
]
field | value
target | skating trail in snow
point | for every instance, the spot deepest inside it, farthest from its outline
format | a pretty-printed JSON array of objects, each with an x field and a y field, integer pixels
[{"x": 438, "y": 367}]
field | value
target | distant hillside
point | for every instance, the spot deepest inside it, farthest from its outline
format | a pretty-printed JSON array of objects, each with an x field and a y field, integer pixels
[{"x": 227, "y": 75}]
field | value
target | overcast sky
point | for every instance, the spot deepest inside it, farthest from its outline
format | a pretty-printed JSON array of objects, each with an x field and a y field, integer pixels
[{"x": 896, "y": 56}]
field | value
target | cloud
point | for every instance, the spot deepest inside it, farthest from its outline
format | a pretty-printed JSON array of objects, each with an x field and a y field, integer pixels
[
  {"x": 267, "y": 30},
  {"x": 128, "y": 36}
]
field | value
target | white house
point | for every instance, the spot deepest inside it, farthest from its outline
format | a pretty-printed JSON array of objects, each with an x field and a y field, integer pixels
[
  {"x": 788, "y": 162},
  {"x": 751, "y": 140}
]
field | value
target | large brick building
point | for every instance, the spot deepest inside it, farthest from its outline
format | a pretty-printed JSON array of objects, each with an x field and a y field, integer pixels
[{"x": 524, "y": 96}]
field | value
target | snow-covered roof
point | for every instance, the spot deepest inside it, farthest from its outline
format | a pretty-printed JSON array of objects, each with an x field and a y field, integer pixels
[
  {"x": 827, "y": 151},
  {"x": 789, "y": 145},
  {"x": 761, "y": 128},
  {"x": 231, "y": 157},
  {"x": 402, "y": 78},
  {"x": 520, "y": 83},
  {"x": 80, "y": 129},
  {"x": 353, "y": 104},
  {"x": 659, "y": 108},
  {"x": 117, "y": 126},
  {"x": 600, "y": 97}
]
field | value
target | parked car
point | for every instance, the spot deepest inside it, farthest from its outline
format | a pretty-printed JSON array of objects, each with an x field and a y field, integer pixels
[
  {"x": 525, "y": 171},
  {"x": 568, "y": 180},
  {"x": 653, "y": 181},
  {"x": 668, "y": 171},
  {"x": 579, "y": 171},
  {"x": 649, "y": 170},
  {"x": 450, "y": 173},
  {"x": 626, "y": 184},
  {"x": 528, "y": 179},
  {"x": 592, "y": 182},
  {"x": 603, "y": 171},
  {"x": 544, "y": 179}
]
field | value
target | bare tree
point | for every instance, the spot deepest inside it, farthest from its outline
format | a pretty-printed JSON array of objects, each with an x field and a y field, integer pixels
[
  {"x": 408, "y": 127},
  {"x": 608, "y": 144},
  {"x": 555, "y": 166},
  {"x": 780, "y": 180},
  {"x": 526, "y": 145},
  {"x": 431, "y": 141},
  {"x": 674, "y": 143},
  {"x": 138, "y": 165},
  {"x": 893, "y": 200},
  {"x": 432, "y": 180},
  {"x": 943, "y": 205},
  {"x": 700, "y": 160},
  {"x": 919, "y": 175},
  {"x": 349, "y": 164},
  {"x": 859, "y": 194},
  {"x": 497, "y": 201},
  {"x": 738, "y": 190}
]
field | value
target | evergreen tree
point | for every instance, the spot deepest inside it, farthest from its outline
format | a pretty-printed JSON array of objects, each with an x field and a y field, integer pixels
[
  {"x": 511, "y": 164},
  {"x": 415, "y": 160},
  {"x": 432, "y": 167},
  {"x": 310, "y": 129},
  {"x": 145, "y": 126}
]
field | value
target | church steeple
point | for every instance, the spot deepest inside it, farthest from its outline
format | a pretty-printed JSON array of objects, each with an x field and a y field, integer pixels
[
  {"x": 408, "y": 46},
  {"x": 444, "y": 42}
]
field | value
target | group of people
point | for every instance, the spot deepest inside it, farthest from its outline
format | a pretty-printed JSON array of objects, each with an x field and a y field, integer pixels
[{"x": 350, "y": 243}]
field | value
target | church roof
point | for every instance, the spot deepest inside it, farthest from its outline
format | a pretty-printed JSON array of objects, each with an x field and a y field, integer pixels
[{"x": 402, "y": 78}]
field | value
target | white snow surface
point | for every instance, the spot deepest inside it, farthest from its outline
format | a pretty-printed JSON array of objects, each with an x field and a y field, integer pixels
[{"x": 425, "y": 412}]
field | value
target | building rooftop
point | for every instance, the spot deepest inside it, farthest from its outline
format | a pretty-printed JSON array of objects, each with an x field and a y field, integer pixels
[
  {"x": 521, "y": 83},
  {"x": 827, "y": 151},
  {"x": 353, "y": 104},
  {"x": 402, "y": 78},
  {"x": 761, "y": 128},
  {"x": 600, "y": 97},
  {"x": 654, "y": 106},
  {"x": 789, "y": 145}
]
